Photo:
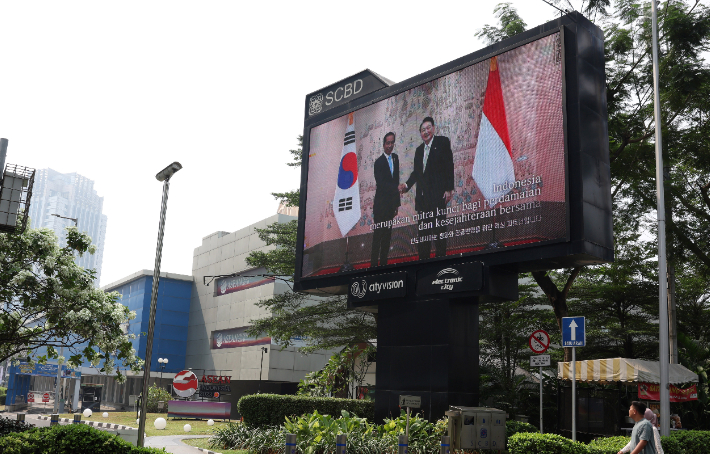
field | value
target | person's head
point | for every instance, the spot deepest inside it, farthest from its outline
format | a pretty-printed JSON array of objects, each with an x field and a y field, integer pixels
[
  {"x": 388, "y": 143},
  {"x": 427, "y": 129},
  {"x": 650, "y": 415},
  {"x": 637, "y": 410}
]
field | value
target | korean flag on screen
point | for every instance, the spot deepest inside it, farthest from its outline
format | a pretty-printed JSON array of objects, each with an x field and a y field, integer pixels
[{"x": 346, "y": 203}]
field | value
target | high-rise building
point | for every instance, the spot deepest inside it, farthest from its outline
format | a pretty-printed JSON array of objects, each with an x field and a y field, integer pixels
[{"x": 72, "y": 196}]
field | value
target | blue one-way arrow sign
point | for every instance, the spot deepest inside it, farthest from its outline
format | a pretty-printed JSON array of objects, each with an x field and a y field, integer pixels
[{"x": 573, "y": 332}]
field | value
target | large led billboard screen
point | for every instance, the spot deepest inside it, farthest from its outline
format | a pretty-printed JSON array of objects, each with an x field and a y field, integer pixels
[{"x": 472, "y": 162}]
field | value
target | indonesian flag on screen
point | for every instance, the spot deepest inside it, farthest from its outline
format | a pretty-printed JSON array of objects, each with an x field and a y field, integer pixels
[
  {"x": 346, "y": 203},
  {"x": 493, "y": 164}
]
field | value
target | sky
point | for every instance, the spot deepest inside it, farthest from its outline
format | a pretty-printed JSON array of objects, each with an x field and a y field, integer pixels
[{"x": 116, "y": 91}]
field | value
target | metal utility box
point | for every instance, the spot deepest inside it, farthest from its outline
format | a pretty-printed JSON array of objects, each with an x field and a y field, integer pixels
[
  {"x": 91, "y": 396},
  {"x": 478, "y": 428}
]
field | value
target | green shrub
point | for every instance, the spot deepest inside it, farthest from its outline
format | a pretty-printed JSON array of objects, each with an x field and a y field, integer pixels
[
  {"x": 272, "y": 409},
  {"x": 608, "y": 445},
  {"x": 257, "y": 440},
  {"x": 693, "y": 441},
  {"x": 155, "y": 395},
  {"x": 514, "y": 427},
  {"x": 316, "y": 434},
  {"x": 672, "y": 445},
  {"x": 3, "y": 395},
  {"x": 69, "y": 439},
  {"x": 8, "y": 426},
  {"x": 527, "y": 443}
]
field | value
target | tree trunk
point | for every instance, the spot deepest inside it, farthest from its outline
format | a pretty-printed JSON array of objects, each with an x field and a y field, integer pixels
[{"x": 557, "y": 298}]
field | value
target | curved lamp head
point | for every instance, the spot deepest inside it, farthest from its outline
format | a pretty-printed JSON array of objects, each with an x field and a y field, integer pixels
[{"x": 168, "y": 172}]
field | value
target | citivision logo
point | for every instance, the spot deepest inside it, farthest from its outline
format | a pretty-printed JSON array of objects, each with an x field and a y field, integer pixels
[
  {"x": 218, "y": 340},
  {"x": 358, "y": 289},
  {"x": 447, "y": 283}
]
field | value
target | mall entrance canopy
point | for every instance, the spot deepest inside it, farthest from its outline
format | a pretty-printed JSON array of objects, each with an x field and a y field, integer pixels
[{"x": 624, "y": 370}]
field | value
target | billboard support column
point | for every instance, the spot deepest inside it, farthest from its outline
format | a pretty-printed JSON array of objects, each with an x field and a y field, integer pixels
[{"x": 430, "y": 350}]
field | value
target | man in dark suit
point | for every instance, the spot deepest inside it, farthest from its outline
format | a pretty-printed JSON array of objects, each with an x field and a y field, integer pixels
[
  {"x": 386, "y": 201},
  {"x": 434, "y": 176}
]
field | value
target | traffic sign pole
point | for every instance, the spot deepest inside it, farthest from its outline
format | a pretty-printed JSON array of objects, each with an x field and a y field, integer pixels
[
  {"x": 574, "y": 395},
  {"x": 541, "y": 399}
]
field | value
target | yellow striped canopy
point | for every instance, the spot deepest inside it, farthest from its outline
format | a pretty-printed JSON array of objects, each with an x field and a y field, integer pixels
[{"x": 623, "y": 370}]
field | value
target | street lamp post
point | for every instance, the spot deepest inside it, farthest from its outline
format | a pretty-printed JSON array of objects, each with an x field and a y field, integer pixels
[
  {"x": 261, "y": 369},
  {"x": 164, "y": 176},
  {"x": 163, "y": 362},
  {"x": 58, "y": 400}
]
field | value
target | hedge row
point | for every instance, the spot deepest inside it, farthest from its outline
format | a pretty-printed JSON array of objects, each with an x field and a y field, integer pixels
[
  {"x": 271, "y": 409},
  {"x": 69, "y": 439},
  {"x": 8, "y": 426},
  {"x": 680, "y": 442}
]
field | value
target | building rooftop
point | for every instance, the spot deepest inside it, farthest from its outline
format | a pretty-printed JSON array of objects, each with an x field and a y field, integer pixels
[{"x": 141, "y": 273}]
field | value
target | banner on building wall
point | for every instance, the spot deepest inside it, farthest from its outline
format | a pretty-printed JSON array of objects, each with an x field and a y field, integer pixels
[
  {"x": 236, "y": 337},
  {"x": 242, "y": 281},
  {"x": 652, "y": 391},
  {"x": 46, "y": 370}
]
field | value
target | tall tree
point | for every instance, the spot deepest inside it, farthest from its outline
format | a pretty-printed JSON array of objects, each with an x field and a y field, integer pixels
[
  {"x": 324, "y": 323},
  {"x": 504, "y": 329},
  {"x": 48, "y": 301},
  {"x": 685, "y": 33}
]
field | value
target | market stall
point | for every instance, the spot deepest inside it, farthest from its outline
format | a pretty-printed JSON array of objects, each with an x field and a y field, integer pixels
[{"x": 602, "y": 410}]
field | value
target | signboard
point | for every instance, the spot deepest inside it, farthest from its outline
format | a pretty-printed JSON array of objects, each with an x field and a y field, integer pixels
[
  {"x": 496, "y": 178},
  {"x": 243, "y": 281},
  {"x": 212, "y": 385},
  {"x": 651, "y": 391},
  {"x": 343, "y": 92},
  {"x": 45, "y": 370},
  {"x": 381, "y": 286},
  {"x": 410, "y": 401},
  {"x": 540, "y": 361},
  {"x": 30, "y": 397},
  {"x": 185, "y": 383},
  {"x": 479, "y": 157},
  {"x": 466, "y": 277},
  {"x": 573, "y": 332},
  {"x": 45, "y": 397},
  {"x": 236, "y": 337},
  {"x": 539, "y": 341}
]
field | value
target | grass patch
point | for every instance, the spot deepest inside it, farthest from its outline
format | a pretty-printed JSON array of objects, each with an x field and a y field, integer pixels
[
  {"x": 174, "y": 426},
  {"x": 205, "y": 444}
]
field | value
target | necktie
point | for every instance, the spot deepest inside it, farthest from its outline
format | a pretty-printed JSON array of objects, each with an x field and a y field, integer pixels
[
  {"x": 389, "y": 159},
  {"x": 426, "y": 153}
]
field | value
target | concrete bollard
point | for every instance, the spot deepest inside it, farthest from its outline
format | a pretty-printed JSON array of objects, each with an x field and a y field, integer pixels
[
  {"x": 54, "y": 419},
  {"x": 290, "y": 444},
  {"x": 403, "y": 445},
  {"x": 341, "y": 442},
  {"x": 445, "y": 444},
  {"x": 21, "y": 417},
  {"x": 77, "y": 418}
]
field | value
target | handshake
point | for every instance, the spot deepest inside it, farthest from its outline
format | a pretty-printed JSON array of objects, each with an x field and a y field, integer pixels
[{"x": 403, "y": 188}]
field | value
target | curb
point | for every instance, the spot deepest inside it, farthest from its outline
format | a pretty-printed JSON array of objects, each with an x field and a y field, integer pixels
[
  {"x": 91, "y": 423},
  {"x": 206, "y": 451}
]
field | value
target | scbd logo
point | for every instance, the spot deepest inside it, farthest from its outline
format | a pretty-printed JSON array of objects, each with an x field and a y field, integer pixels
[{"x": 315, "y": 104}]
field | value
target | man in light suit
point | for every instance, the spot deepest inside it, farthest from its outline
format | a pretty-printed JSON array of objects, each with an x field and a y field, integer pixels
[
  {"x": 386, "y": 201},
  {"x": 434, "y": 176}
]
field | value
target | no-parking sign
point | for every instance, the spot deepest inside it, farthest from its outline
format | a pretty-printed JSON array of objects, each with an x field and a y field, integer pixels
[{"x": 539, "y": 341}]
